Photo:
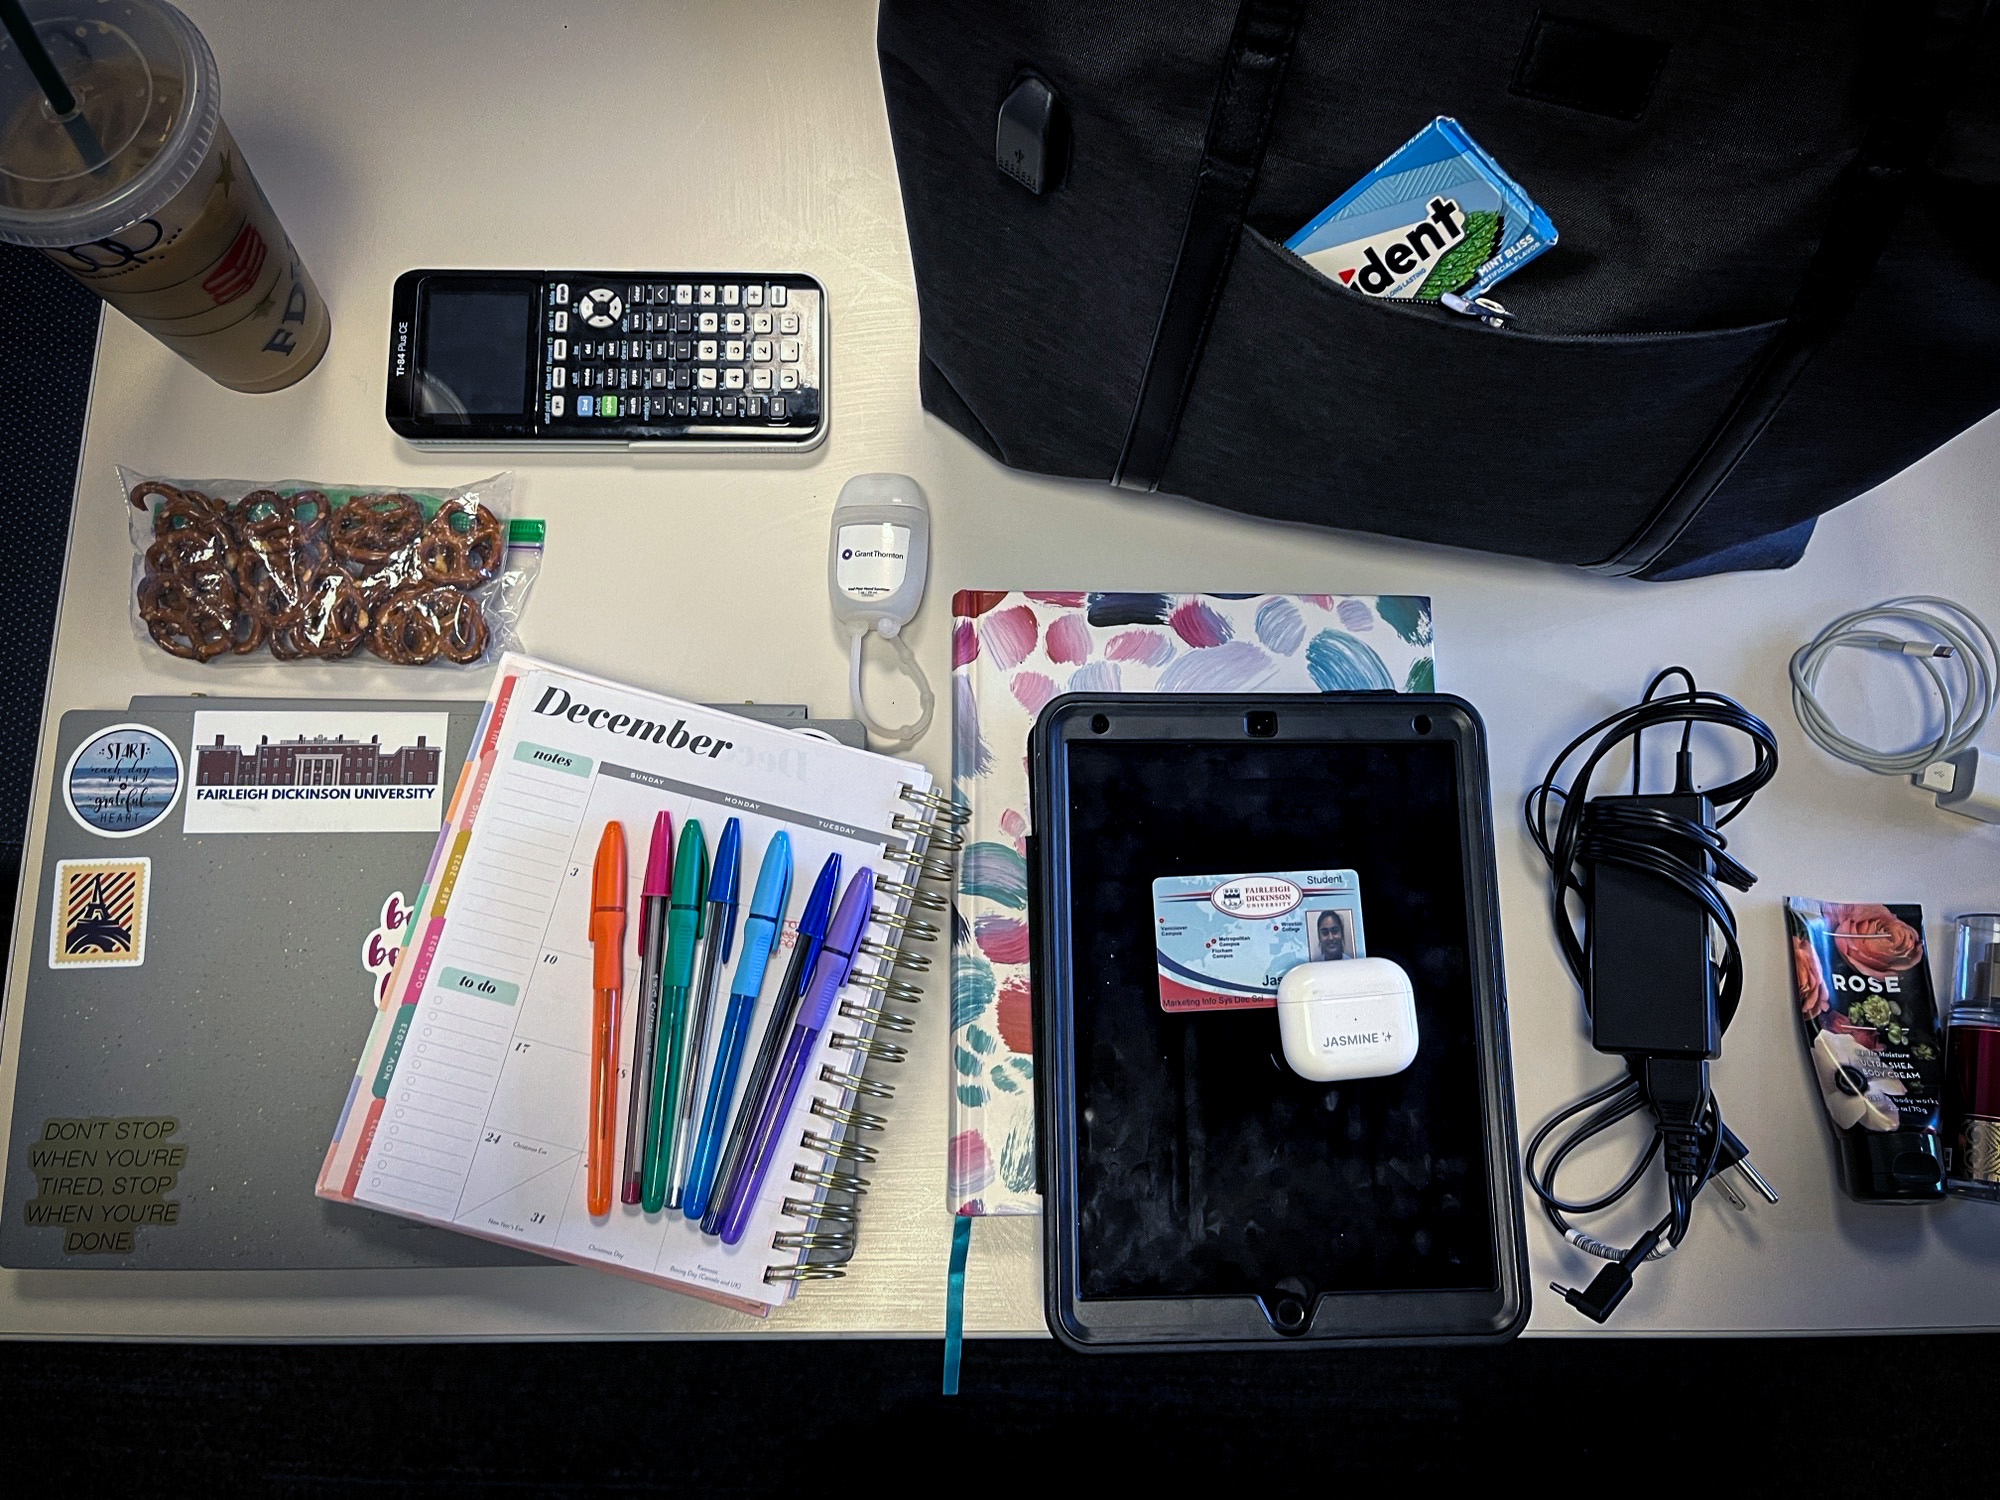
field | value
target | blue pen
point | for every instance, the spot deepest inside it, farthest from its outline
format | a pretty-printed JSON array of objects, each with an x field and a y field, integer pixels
[
  {"x": 718, "y": 933},
  {"x": 836, "y": 957},
  {"x": 806, "y": 941},
  {"x": 760, "y": 933}
]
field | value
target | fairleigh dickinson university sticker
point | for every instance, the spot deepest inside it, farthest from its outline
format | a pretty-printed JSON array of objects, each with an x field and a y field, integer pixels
[{"x": 273, "y": 771}]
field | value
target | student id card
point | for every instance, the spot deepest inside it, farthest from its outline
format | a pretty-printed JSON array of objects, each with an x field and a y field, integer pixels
[{"x": 1224, "y": 941}]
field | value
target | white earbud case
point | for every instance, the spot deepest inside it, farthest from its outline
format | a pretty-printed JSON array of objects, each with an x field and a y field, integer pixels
[{"x": 1350, "y": 1018}]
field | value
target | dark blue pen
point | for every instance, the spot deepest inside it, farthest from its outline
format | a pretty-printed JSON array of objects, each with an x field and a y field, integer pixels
[{"x": 806, "y": 942}]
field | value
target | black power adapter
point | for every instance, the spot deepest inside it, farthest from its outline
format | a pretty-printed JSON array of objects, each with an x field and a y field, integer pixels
[
  {"x": 1652, "y": 984},
  {"x": 1657, "y": 960}
]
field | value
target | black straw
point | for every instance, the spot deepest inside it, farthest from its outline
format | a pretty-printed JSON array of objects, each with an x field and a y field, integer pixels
[{"x": 61, "y": 100}]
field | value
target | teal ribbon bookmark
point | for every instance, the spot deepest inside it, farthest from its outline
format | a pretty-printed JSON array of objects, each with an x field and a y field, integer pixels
[{"x": 954, "y": 1302}]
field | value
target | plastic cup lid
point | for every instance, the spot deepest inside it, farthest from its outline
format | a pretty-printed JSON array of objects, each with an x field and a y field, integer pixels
[{"x": 148, "y": 92}]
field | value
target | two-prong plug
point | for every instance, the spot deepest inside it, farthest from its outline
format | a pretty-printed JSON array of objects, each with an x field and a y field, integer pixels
[{"x": 1731, "y": 1152}]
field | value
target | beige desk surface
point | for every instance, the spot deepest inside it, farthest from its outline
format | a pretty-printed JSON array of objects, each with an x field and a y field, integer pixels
[{"x": 650, "y": 135}]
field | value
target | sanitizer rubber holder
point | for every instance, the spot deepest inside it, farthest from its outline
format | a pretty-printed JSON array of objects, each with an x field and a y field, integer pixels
[
  {"x": 875, "y": 569},
  {"x": 1349, "y": 1018}
]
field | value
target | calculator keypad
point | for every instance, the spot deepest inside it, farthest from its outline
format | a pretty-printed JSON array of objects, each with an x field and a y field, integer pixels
[{"x": 717, "y": 357}]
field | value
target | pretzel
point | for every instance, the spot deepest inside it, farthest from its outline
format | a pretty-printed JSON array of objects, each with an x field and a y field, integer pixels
[
  {"x": 192, "y": 622},
  {"x": 275, "y": 570},
  {"x": 193, "y": 552},
  {"x": 147, "y": 488},
  {"x": 393, "y": 575},
  {"x": 335, "y": 620},
  {"x": 421, "y": 624},
  {"x": 461, "y": 624},
  {"x": 190, "y": 510},
  {"x": 178, "y": 507},
  {"x": 405, "y": 632},
  {"x": 312, "y": 528},
  {"x": 373, "y": 528},
  {"x": 463, "y": 556},
  {"x": 308, "y": 578}
]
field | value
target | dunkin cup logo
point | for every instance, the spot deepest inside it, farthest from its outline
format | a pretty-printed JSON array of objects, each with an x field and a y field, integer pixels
[{"x": 237, "y": 271}]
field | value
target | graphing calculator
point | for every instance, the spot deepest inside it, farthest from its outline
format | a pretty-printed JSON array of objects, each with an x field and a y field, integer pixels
[{"x": 688, "y": 360}]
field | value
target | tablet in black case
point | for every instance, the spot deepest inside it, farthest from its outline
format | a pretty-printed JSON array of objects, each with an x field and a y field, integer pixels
[{"x": 1199, "y": 1192}]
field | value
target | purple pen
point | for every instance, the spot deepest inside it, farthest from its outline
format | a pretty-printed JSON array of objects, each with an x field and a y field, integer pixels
[{"x": 836, "y": 957}]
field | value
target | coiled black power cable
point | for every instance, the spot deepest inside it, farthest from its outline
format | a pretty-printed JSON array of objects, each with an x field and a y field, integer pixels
[{"x": 1691, "y": 857}]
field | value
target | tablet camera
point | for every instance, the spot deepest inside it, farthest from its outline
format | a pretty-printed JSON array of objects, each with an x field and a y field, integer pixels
[{"x": 1260, "y": 723}]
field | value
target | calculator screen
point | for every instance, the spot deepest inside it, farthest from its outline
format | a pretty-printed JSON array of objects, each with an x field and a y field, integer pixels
[{"x": 476, "y": 358}]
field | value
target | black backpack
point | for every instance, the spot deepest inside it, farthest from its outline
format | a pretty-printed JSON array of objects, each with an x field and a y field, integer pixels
[{"x": 1777, "y": 281}]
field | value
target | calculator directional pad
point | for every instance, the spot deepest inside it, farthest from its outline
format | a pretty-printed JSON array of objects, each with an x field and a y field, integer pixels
[{"x": 600, "y": 307}]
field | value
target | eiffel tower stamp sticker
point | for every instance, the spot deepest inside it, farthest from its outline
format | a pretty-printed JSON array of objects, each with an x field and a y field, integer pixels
[{"x": 98, "y": 916}]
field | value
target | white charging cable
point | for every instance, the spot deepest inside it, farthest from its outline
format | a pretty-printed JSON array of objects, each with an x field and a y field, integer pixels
[
  {"x": 1959, "y": 656},
  {"x": 876, "y": 563}
]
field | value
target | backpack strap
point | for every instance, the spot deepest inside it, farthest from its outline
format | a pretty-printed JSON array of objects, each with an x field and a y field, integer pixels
[
  {"x": 1918, "y": 83},
  {"x": 1239, "y": 127}
]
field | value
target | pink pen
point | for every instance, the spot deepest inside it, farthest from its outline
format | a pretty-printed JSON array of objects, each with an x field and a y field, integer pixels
[{"x": 652, "y": 951}]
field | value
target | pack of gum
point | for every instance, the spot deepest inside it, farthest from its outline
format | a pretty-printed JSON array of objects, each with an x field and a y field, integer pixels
[{"x": 1438, "y": 218}]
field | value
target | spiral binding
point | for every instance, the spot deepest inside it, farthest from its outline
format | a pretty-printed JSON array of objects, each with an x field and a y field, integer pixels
[
  {"x": 868, "y": 1047},
  {"x": 862, "y": 1085},
  {"x": 915, "y": 928},
  {"x": 942, "y": 807},
  {"x": 860, "y": 1119},
  {"x": 838, "y": 1182},
  {"x": 805, "y": 1270},
  {"x": 947, "y": 839},
  {"x": 875, "y": 1015},
  {"x": 812, "y": 1239},
  {"x": 928, "y": 866},
  {"x": 899, "y": 990},
  {"x": 838, "y": 1146},
  {"x": 916, "y": 895},
  {"x": 834, "y": 1192},
  {"x": 916, "y": 963}
]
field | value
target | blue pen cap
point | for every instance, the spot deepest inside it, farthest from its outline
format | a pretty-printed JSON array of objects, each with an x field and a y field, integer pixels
[
  {"x": 819, "y": 905},
  {"x": 774, "y": 879},
  {"x": 722, "y": 882},
  {"x": 767, "y": 910},
  {"x": 836, "y": 955}
]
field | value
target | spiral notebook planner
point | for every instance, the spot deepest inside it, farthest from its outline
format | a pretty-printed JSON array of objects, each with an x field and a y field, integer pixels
[{"x": 469, "y": 1106}]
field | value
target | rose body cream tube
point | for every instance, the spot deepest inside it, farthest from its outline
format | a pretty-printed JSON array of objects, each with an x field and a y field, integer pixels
[{"x": 1868, "y": 1017}]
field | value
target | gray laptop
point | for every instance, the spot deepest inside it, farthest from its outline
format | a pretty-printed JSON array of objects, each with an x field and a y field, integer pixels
[{"x": 196, "y": 1000}]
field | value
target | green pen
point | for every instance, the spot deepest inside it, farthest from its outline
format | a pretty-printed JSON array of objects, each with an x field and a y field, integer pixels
[{"x": 684, "y": 918}]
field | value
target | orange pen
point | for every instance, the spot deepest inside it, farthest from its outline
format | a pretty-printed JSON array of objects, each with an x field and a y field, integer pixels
[{"x": 607, "y": 943}]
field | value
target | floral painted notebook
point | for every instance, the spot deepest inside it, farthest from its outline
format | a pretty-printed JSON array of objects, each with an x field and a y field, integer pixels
[{"x": 1012, "y": 653}]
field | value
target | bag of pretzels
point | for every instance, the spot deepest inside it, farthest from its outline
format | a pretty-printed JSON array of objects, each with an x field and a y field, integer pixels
[{"x": 228, "y": 570}]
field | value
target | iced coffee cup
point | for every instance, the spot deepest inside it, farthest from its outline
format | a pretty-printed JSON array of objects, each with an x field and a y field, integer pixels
[{"x": 138, "y": 190}]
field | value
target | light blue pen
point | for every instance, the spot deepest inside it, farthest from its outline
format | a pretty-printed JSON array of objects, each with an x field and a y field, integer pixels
[{"x": 760, "y": 936}]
